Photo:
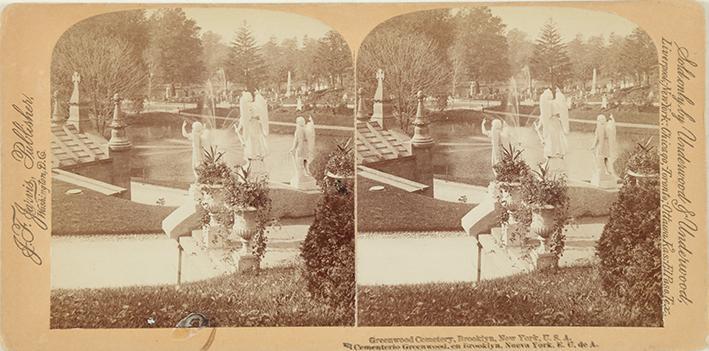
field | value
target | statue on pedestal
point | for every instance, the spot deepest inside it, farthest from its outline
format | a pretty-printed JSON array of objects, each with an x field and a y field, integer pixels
[
  {"x": 302, "y": 151},
  {"x": 251, "y": 130},
  {"x": 550, "y": 127},
  {"x": 604, "y": 151}
]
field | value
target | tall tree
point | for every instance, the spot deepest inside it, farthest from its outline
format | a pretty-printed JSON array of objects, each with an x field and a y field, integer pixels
[
  {"x": 107, "y": 51},
  {"x": 245, "y": 64},
  {"x": 436, "y": 25},
  {"x": 579, "y": 59},
  {"x": 305, "y": 64},
  {"x": 334, "y": 57},
  {"x": 486, "y": 50},
  {"x": 639, "y": 55},
  {"x": 613, "y": 66},
  {"x": 549, "y": 59},
  {"x": 410, "y": 63},
  {"x": 107, "y": 66},
  {"x": 175, "y": 47}
]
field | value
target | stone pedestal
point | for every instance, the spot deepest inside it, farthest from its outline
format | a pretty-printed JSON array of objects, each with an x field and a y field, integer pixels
[
  {"x": 119, "y": 140},
  {"x": 303, "y": 182},
  {"x": 603, "y": 180}
]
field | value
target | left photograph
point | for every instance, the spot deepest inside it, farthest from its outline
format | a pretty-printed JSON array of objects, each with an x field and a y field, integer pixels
[{"x": 202, "y": 171}]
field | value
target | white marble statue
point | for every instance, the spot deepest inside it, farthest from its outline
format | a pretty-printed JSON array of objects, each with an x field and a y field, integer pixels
[
  {"x": 251, "y": 131},
  {"x": 299, "y": 104},
  {"x": 302, "y": 152},
  {"x": 245, "y": 102},
  {"x": 195, "y": 137},
  {"x": 261, "y": 107},
  {"x": 604, "y": 102},
  {"x": 561, "y": 108},
  {"x": 496, "y": 138},
  {"x": 604, "y": 152},
  {"x": 550, "y": 127}
]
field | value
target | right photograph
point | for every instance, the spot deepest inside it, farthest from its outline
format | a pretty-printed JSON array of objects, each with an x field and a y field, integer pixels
[{"x": 507, "y": 170}]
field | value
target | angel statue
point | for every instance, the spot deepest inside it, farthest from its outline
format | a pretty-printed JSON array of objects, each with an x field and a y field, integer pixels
[
  {"x": 195, "y": 137},
  {"x": 261, "y": 107},
  {"x": 604, "y": 152},
  {"x": 302, "y": 152},
  {"x": 552, "y": 126},
  {"x": 252, "y": 130},
  {"x": 496, "y": 136}
]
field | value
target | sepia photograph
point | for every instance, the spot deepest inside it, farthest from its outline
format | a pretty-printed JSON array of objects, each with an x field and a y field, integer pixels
[
  {"x": 508, "y": 170},
  {"x": 202, "y": 171}
]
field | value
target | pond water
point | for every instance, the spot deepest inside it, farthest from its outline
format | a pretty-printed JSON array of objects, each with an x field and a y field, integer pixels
[
  {"x": 162, "y": 153},
  {"x": 462, "y": 151}
]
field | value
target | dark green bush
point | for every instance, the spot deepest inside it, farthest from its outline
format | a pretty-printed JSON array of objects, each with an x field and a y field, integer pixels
[
  {"x": 629, "y": 249},
  {"x": 328, "y": 248}
]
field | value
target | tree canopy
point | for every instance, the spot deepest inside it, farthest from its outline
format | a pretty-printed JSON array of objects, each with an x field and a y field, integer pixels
[{"x": 175, "y": 52}]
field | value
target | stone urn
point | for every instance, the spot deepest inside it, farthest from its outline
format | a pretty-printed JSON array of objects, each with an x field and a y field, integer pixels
[
  {"x": 245, "y": 227},
  {"x": 542, "y": 221},
  {"x": 213, "y": 198}
]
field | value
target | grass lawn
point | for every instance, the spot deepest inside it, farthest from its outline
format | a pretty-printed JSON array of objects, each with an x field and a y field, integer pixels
[
  {"x": 570, "y": 296},
  {"x": 274, "y": 297},
  {"x": 381, "y": 211},
  {"x": 92, "y": 213}
]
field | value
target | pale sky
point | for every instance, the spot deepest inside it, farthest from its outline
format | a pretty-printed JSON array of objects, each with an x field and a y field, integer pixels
[
  {"x": 264, "y": 23},
  {"x": 569, "y": 21}
]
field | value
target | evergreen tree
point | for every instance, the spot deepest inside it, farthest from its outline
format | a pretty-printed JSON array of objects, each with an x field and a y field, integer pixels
[
  {"x": 549, "y": 60},
  {"x": 328, "y": 248},
  {"x": 245, "y": 64}
]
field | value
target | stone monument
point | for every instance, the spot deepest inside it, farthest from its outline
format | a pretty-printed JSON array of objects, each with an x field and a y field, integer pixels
[
  {"x": 119, "y": 140},
  {"x": 377, "y": 109},
  {"x": 81, "y": 122},
  {"x": 289, "y": 87},
  {"x": 421, "y": 147},
  {"x": 359, "y": 107},
  {"x": 57, "y": 117}
]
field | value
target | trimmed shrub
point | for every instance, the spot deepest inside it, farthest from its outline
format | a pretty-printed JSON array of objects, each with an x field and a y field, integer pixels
[
  {"x": 630, "y": 252},
  {"x": 328, "y": 248}
]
